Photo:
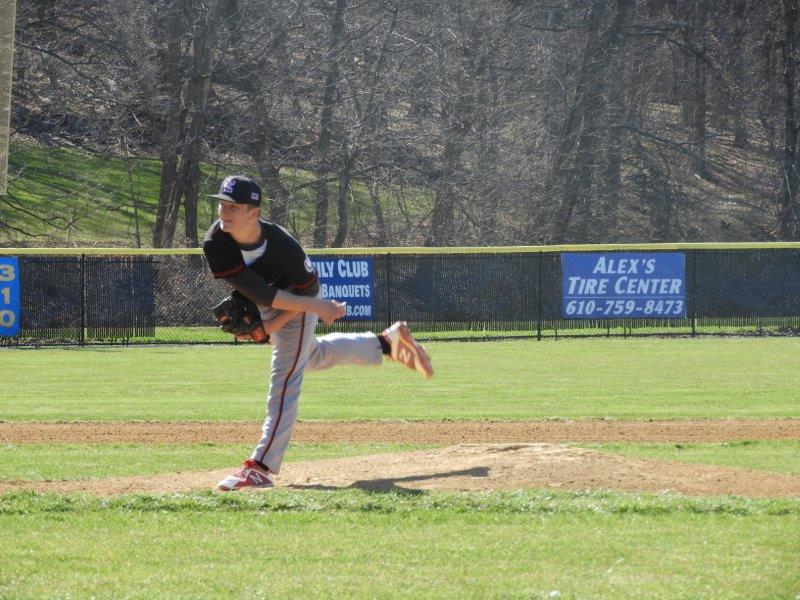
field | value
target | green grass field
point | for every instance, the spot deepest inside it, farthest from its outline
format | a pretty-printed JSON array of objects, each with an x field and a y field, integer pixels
[
  {"x": 61, "y": 462},
  {"x": 349, "y": 544},
  {"x": 517, "y": 379},
  {"x": 775, "y": 456},
  {"x": 355, "y": 543}
]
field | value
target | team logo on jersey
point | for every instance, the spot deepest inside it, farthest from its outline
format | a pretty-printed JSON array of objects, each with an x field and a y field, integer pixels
[
  {"x": 308, "y": 265},
  {"x": 227, "y": 185}
]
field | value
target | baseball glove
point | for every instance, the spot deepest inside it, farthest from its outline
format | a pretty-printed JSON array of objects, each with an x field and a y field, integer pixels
[{"x": 238, "y": 315}]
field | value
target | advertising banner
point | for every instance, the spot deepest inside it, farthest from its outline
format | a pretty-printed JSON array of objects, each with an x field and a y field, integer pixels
[
  {"x": 9, "y": 296},
  {"x": 348, "y": 280},
  {"x": 616, "y": 285}
]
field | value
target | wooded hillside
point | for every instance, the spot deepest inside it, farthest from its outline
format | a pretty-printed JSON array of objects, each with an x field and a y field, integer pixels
[{"x": 504, "y": 122}]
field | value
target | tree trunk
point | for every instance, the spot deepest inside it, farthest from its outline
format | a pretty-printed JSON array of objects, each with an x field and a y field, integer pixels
[
  {"x": 263, "y": 153},
  {"x": 489, "y": 194},
  {"x": 699, "y": 90},
  {"x": 170, "y": 220},
  {"x": 568, "y": 137},
  {"x": 341, "y": 203},
  {"x": 374, "y": 118},
  {"x": 380, "y": 224},
  {"x": 330, "y": 98},
  {"x": 456, "y": 117},
  {"x": 575, "y": 181},
  {"x": 181, "y": 177},
  {"x": 321, "y": 214},
  {"x": 8, "y": 20},
  {"x": 279, "y": 196},
  {"x": 169, "y": 187},
  {"x": 612, "y": 178},
  {"x": 687, "y": 105},
  {"x": 443, "y": 216},
  {"x": 134, "y": 196},
  {"x": 489, "y": 184},
  {"x": 202, "y": 69},
  {"x": 789, "y": 217},
  {"x": 738, "y": 97}
]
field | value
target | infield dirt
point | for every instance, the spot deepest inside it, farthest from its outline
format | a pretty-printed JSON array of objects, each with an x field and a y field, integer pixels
[
  {"x": 468, "y": 467},
  {"x": 418, "y": 432},
  {"x": 501, "y": 456}
]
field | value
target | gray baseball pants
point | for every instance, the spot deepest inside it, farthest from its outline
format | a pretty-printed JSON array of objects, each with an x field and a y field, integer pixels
[{"x": 295, "y": 350}]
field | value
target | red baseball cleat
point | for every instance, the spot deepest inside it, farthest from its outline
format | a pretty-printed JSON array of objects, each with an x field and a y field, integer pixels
[
  {"x": 406, "y": 350},
  {"x": 251, "y": 474}
]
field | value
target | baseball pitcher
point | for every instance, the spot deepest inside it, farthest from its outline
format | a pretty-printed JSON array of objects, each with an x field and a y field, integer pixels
[{"x": 277, "y": 299}]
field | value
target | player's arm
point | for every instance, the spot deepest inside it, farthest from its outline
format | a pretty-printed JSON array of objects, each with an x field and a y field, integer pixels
[
  {"x": 328, "y": 310},
  {"x": 277, "y": 322},
  {"x": 254, "y": 287}
]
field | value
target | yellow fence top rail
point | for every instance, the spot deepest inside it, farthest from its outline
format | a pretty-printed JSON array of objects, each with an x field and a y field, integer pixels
[{"x": 426, "y": 250}]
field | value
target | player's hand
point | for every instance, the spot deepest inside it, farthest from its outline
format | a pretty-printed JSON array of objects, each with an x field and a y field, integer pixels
[{"x": 330, "y": 310}]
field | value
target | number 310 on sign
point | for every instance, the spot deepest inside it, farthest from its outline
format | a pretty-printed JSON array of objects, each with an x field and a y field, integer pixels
[{"x": 9, "y": 296}]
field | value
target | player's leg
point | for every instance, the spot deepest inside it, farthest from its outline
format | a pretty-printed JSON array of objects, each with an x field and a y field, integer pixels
[
  {"x": 291, "y": 348},
  {"x": 345, "y": 349},
  {"x": 396, "y": 342}
]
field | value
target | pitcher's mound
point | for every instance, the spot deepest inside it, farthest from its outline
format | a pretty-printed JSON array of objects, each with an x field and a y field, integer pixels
[{"x": 468, "y": 467}]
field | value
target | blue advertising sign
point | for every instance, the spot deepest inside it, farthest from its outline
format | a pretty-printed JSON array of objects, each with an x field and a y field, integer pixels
[
  {"x": 348, "y": 280},
  {"x": 9, "y": 296},
  {"x": 615, "y": 285}
]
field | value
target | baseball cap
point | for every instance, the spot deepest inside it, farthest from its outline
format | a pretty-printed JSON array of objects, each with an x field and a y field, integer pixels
[{"x": 239, "y": 189}]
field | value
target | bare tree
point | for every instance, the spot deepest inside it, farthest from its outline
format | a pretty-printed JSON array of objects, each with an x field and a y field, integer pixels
[
  {"x": 7, "y": 20},
  {"x": 789, "y": 216},
  {"x": 330, "y": 99},
  {"x": 186, "y": 115},
  {"x": 174, "y": 91},
  {"x": 573, "y": 168}
]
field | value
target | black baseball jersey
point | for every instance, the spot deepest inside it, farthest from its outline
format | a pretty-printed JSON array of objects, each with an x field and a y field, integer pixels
[{"x": 283, "y": 265}]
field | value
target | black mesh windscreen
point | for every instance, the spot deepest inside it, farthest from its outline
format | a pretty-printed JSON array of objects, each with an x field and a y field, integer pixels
[
  {"x": 51, "y": 298},
  {"x": 68, "y": 299},
  {"x": 747, "y": 283},
  {"x": 185, "y": 291},
  {"x": 551, "y": 286},
  {"x": 119, "y": 297},
  {"x": 463, "y": 288}
]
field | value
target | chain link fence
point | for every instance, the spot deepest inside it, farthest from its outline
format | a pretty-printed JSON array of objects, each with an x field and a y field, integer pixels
[{"x": 147, "y": 299}]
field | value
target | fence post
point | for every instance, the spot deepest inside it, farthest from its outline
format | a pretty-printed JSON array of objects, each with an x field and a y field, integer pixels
[
  {"x": 82, "y": 333},
  {"x": 389, "y": 287},
  {"x": 539, "y": 296},
  {"x": 694, "y": 292}
]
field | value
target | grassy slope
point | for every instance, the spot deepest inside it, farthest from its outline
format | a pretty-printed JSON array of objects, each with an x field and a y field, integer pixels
[
  {"x": 87, "y": 199},
  {"x": 349, "y": 544},
  {"x": 63, "y": 185},
  {"x": 68, "y": 184},
  {"x": 615, "y": 378}
]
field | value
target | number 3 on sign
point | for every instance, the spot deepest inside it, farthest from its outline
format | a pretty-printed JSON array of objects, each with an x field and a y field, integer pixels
[{"x": 7, "y": 273}]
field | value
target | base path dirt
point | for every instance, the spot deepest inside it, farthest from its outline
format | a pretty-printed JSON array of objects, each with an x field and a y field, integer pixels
[
  {"x": 471, "y": 467},
  {"x": 419, "y": 432}
]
